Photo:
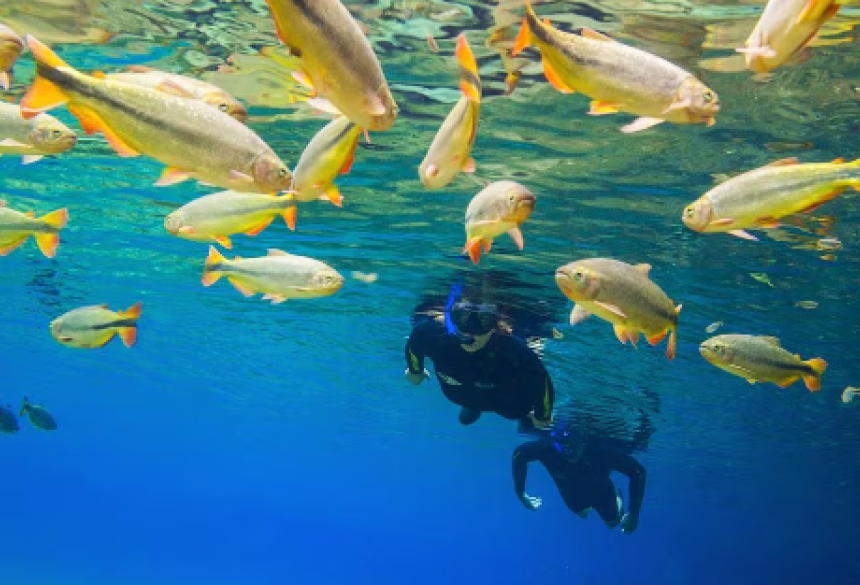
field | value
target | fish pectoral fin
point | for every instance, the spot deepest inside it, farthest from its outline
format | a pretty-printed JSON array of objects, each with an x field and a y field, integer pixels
[
  {"x": 171, "y": 87},
  {"x": 277, "y": 299},
  {"x": 470, "y": 165},
  {"x": 332, "y": 193},
  {"x": 517, "y": 236},
  {"x": 767, "y": 222},
  {"x": 12, "y": 143},
  {"x": 224, "y": 241},
  {"x": 655, "y": 339},
  {"x": 241, "y": 177},
  {"x": 578, "y": 315},
  {"x": 596, "y": 36},
  {"x": 783, "y": 162},
  {"x": 612, "y": 309},
  {"x": 303, "y": 79},
  {"x": 323, "y": 105},
  {"x": 599, "y": 108},
  {"x": 743, "y": 235},
  {"x": 642, "y": 123},
  {"x": 259, "y": 227},
  {"x": 678, "y": 104},
  {"x": 11, "y": 246},
  {"x": 756, "y": 52},
  {"x": 621, "y": 333},
  {"x": 242, "y": 288},
  {"x": 93, "y": 123},
  {"x": 488, "y": 245},
  {"x": 786, "y": 382},
  {"x": 172, "y": 176},
  {"x": 29, "y": 159},
  {"x": 554, "y": 78}
]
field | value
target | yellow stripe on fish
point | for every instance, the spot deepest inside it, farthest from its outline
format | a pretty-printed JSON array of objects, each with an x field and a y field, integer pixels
[
  {"x": 16, "y": 227},
  {"x": 757, "y": 199},
  {"x": 449, "y": 152},
  {"x": 784, "y": 28},
  {"x": 623, "y": 295},
  {"x": 501, "y": 207},
  {"x": 617, "y": 77},
  {"x": 762, "y": 359},
  {"x": 280, "y": 276},
  {"x": 329, "y": 153},
  {"x": 190, "y": 137},
  {"x": 220, "y": 215},
  {"x": 32, "y": 138},
  {"x": 11, "y": 46},
  {"x": 94, "y": 326},
  {"x": 337, "y": 59}
]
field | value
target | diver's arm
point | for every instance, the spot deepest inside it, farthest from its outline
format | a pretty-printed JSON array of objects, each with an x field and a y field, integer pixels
[
  {"x": 635, "y": 472},
  {"x": 523, "y": 455},
  {"x": 540, "y": 388},
  {"x": 415, "y": 352}
]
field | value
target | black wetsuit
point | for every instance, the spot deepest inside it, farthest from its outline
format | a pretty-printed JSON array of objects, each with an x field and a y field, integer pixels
[
  {"x": 505, "y": 376},
  {"x": 583, "y": 483}
]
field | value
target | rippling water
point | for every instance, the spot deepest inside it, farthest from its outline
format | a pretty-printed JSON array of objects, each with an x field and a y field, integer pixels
[{"x": 241, "y": 442}]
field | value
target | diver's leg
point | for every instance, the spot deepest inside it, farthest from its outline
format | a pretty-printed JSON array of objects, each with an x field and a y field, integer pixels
[
  {"x": 469, "y": 415},
  {"x": 572, "y": 494},
  {"x": 608, "y": 503}
]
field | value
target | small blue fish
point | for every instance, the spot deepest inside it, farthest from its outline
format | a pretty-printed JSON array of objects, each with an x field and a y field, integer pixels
[
  {"x": 40, "y": 417},
  {"x": 8, "y": 420}
]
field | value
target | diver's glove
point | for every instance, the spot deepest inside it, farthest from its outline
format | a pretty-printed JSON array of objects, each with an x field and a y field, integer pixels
[
  {"x": 629, "y": 523},
  {"x": 530, "y": 502},
  {"x": 417, "y": 378}
]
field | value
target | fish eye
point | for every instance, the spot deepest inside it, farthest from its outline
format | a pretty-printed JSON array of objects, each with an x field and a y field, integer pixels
[
  {"x": 688, "y": 212},
  {"x": 512, "y": 198},
  {"x": 282, "y": 173},
  {"x": 223, "y": 107},
  {"x": 56, "y": 133},
  {"x": 578, "y": 275},
  {"x": 709, "y": 96}
]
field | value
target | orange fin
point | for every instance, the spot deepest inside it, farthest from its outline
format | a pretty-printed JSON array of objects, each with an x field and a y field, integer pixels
[
  {"x": 48, "y": 243},
  {"x": 620, "y": 333},
  {"x": 670, "y": 349},
  {"x": 172, "y": 176},
  {"x": 242, "y": 288},
  {"x": 599, "y": 108},
  {"x": 289, "y": 216},
  {"x": 128, "y": 335},
  {"x": 10, "y": 247},
  {"x": 133, "y": 312},
  {"x": 332, "y": 193},
  {"x": 224, "y": 241},
  {"x": 211, "y": 270},
  {"x": 470, "y": 82},
  {"x": 555, "y": 79},
  {"x": 92, "y": 123},
  {"x": 473, "y": 248},
  {"x": 524, "y": 38},
  {"x": 813, "y": 380},
  {"x": 655, "y": 339},
  {"x": 259, "y": 228},
  {"x": 350, "y": 159},
  {"x": 43, "y": 94}
]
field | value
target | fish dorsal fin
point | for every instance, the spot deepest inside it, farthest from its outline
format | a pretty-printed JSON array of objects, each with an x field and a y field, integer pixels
[
  {"x": 274, "y": 252},
  {"x": 784, "y": 162},
  {"x": 643, "y": 268},
  {"x": 596, "y": 36},
  {"x": 771, "y": 340}
]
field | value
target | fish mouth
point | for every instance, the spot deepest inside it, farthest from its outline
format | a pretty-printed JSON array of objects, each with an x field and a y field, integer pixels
[
  {"x": 563, "y": 280},
  {"x": 708, "y": 354}
]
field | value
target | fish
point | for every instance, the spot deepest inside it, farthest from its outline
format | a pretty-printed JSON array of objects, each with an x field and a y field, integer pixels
[
  {"x": 337, "y": 60},
  {"x": 617, "y": 77},
  {"x": 279, "y": 275},
  {"x": 217, "y": 216},
  {"x": 622, "y": 294},
  {"x": 758, "y": 198},
  {"x": 784, "y": 28},
  {"x": 182, "y": 86},
  {"x": 760, "y": 358},
  {"x": 11, "y": 46},
  {"x": 190, "y": 137},
  {"x": 32, "y": 138},
  {"x": 16, "y": 227},
  {"x": 8, "y": 420},
  {"x": 713, "y": 326},
  {"x": 847, "y": 395},
  {"x": 806, "y": 304},
  {"x": 94, "y": 326},
  {"x": 329, "y": 153},
  {"x": 38, "y": 415},
  {"x": 448, "y": 154},
  {"x": 500, "y": 207}
]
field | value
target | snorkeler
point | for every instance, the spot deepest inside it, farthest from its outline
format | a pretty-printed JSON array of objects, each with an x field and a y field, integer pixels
[
  {"x": 581, "y": 474},
  {"x": 480, "y": 367}
]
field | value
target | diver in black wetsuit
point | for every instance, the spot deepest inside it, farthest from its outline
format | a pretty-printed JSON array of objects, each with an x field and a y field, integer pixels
[
  {"x": 581, "y": 474},
  {"x": 480, "y": 368}
]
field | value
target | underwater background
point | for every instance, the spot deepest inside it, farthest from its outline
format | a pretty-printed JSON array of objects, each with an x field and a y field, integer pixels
[{"x": 241, "y": 442}]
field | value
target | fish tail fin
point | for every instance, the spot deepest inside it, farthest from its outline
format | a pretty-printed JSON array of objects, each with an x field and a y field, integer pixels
[
  {"x": 48, "y": 242},
  {"x": 470, "y": 82},
  {"x": 4, "y": 80},
  {"x": 813, "y": 379},
  {"x": 44, "y": 94},
  {"x": 524, "y": 38},
  {"x": 128, "y": 335},
  {"x": 212, "y": 268},
  {"x": 24, "y": 404},
  {"x": 133, "y": 312}
]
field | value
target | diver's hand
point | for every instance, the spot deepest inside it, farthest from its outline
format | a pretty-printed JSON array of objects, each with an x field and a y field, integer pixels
[
  {"x": 531, "y": 502},
  {"x": 417, "y": 378},
  {"x": 629, "y": 523},
  {"x": 538, "y": 423}
]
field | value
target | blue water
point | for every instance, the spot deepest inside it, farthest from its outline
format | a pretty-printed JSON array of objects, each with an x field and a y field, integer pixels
[{"x": 246, "y": 443}]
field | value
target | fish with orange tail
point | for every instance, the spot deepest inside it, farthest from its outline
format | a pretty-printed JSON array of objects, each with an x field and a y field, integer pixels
[
  {"x": 16, "y": 227},
  {"x": 11, "y": 46},
  {"x": 190, "y": 137},
  {"x": 784, "y": 28},
  {"x": 449, "y": 152},
  {"x": 501, "y": 207},
  {"x": 94, "y": 326},
  {"x": 757, "y": 199},
  {"x": 330, "y": 153},
  {"x": 759, "y": 358},
  {"x": 337, "y": 60},
  {"x": 617, "y": 77},
  {"x": 623, "y": 295}
]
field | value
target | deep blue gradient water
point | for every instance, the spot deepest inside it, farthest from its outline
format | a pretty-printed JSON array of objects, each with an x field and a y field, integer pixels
[{"x": 246, "y": 443}]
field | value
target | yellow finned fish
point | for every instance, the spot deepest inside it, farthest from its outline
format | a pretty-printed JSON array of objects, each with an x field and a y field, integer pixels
[
  {"x": 624, "y": 296},
  {"x": 279, "y": 275},
  {"x": 10, "y": 49},
  {"x": 219, "y": 215},
  {"x": 500, "y": 207},
  {"x": 190, "y": 137},
  {"x": 758, "y": 198},
  {"x": 761, "y": 359},
  {"x": 617, "y": 77},
  {"x": 16, "y": 227},
  {"x": 337, "y": 59},
  {"x": 329, "y": 153},
  {"x": 182, "y": 86},
  {"x": 32, "y": 138},
  {"x": 784, "y": 28},
  {"x": 95, "y": 326},
  {"x": 449, "y": 152}
]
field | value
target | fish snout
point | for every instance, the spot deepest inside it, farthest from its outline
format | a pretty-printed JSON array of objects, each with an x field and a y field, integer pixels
[
  {"x": 227, "y": 104},
  {"x": 569, "y": 280},
  {"x": 271, "y": 174},
  {"x": 52, "y": 137},
  {"x": 173, "y": 223},
  {"x": 328, "y": 281},
  {"x": 697, "y": 215}
]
